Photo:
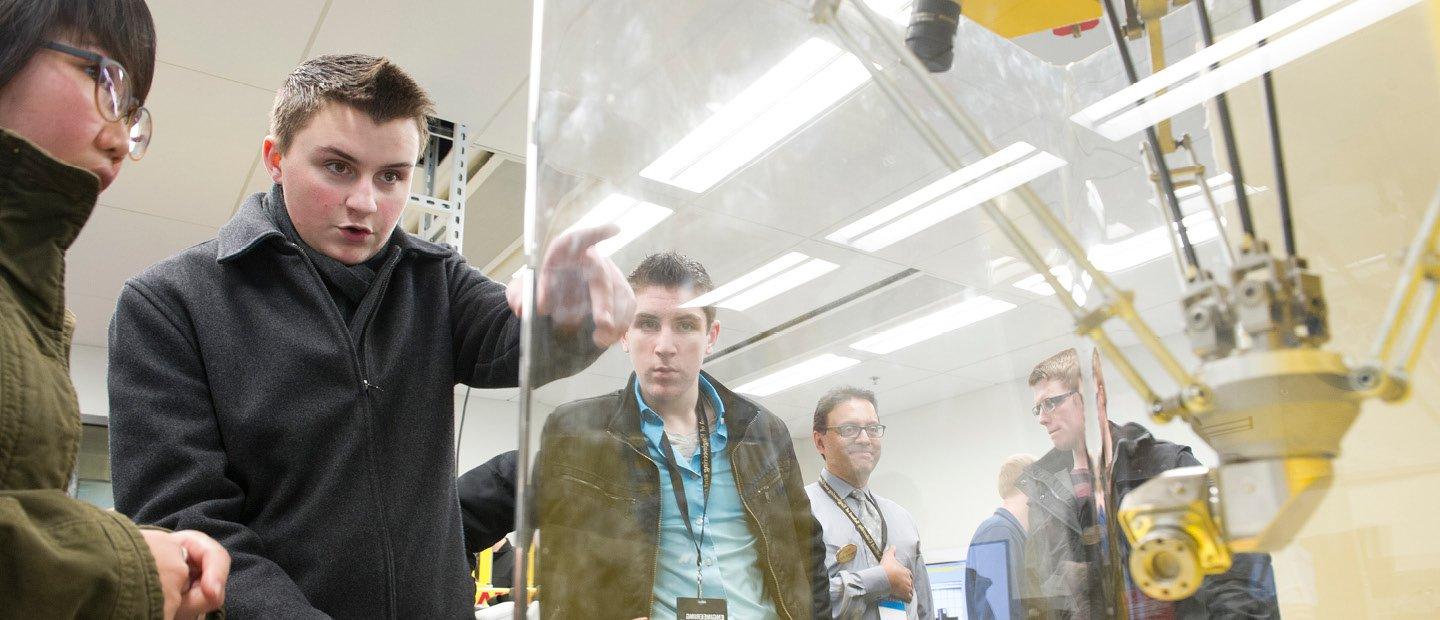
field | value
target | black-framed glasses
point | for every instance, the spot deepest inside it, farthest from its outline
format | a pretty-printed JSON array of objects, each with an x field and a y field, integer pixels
[
  {"x": 1049, "y": 404},
  {"x": 114, "y": 97},
  {"x": 851, "y": 431}
]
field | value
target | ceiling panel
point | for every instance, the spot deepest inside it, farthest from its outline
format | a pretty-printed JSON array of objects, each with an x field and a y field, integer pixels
[
  {"x": 900, "y": 399},
  {"x": 1022, "y": 326},
  {"x": 284, "y": 26},
  {"x": 504, "y": 131},
  {"x": 207, "y": 131},
  {"x": 469, "y": 55},
  {"x": 117, "y": 244},
  {"x": 875, "y": 374}
]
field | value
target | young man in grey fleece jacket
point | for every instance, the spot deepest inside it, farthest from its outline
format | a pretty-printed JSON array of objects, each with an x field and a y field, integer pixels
[{"x": 287, "y": 387}]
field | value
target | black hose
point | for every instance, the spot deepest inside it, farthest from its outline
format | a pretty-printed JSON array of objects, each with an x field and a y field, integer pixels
[
  {"x": 1227, "y": 129},
  {"x": 1162, "y": 169},
  {"x": 1277, "y": 154}
]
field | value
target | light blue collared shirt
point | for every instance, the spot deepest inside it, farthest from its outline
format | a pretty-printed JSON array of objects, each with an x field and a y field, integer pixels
[{"x": 729, "y": 552}]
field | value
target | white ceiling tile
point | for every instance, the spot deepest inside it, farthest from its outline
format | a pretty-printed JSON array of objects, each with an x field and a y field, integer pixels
[
  {"x": 117, "y": 244},
  {"x": 469, "y": 55},
  {"x": 504, "y": 132},
  {"x": 269, "y": 36},
  {"x": 871, "y": 374},
  {"x": 898, "y": 400},
  {"x": 207, "y": 132}
]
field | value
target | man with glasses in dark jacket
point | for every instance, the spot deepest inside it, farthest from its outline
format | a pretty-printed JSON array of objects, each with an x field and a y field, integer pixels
[
  {"x": 674, "y": 494},
  {"x": 1065, "y": 563}
]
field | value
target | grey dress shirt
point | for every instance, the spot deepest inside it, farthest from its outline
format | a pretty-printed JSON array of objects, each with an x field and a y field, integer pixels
[{"x": 858, "y": 586}]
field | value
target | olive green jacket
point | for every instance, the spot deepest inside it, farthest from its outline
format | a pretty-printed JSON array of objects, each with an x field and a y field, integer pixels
[{"x": 59, "y": 557}]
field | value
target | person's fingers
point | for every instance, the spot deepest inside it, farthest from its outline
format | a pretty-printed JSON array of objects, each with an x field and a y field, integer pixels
[
  {"x": 624, "y": 308},
  {"x": 212, "y": 562},
  {"x": 513, "y": 295},
  {"x": 601, "y": 302},
  {"x": 576, "y": 242}
]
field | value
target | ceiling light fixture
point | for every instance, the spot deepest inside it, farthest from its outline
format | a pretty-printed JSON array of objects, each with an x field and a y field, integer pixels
[
  {"x": 632, "y": 215},
  {"x": 947, "y": 197},
  {"x": 801, "y": 373},
  {"x": 765, "y": 282},
  {"x": 944, "y": 320}
]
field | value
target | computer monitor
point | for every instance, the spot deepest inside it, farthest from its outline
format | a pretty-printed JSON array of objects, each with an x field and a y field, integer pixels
[
  {"x": 988, "y": 577},
  {"x": 947, "y": 589}
]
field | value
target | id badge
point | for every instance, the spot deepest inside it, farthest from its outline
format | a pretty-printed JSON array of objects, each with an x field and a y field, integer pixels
[
  {"x": 700, "y": 608},
  {"x": 892, "y": 610}
]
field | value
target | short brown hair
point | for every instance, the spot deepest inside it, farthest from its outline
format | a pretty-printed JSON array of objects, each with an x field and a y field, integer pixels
[
  {"x": 1063, "y": 367},
  {"x": 836, "y": 397},
  {"x": 671, "y": 269},
  {"x": 1010, "y": 471},
  {"x": 371, "y": 84}
]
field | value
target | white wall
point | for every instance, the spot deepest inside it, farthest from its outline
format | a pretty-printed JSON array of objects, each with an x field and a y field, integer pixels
[{"x": 87, "y": 371}]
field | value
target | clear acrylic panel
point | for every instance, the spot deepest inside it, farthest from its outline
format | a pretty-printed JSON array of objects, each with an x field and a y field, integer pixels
[{"x": 1168, "y": 436}]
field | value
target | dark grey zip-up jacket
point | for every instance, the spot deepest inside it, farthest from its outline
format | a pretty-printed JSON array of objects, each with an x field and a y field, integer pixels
[{"x": 319, "y": 454}]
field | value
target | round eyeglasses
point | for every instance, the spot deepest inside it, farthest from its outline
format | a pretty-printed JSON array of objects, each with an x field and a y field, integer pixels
[{"x": 113, "y": 97}]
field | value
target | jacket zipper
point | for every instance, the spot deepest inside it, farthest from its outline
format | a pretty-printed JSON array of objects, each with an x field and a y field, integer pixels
[
  {"x": 765, "y": 538},
  {"x": 655, "y": 567},
  {"x": 365, "y": 385},
  {"x": 384, "y": 279}
]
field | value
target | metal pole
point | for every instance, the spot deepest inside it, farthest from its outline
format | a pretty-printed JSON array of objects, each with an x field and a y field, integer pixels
[{"x": 1227, "y": 129}]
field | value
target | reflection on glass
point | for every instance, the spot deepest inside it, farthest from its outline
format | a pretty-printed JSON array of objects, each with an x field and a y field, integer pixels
[{"x": 673, "y": 494}]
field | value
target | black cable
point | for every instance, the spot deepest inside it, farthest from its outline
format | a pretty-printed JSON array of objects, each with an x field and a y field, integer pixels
[
  {"x": 1282, "y": 185},
  {"x": 1162, "y": 169},
  {"x": 1227, "y": 129},
  {"x": 460, "y": 433}
]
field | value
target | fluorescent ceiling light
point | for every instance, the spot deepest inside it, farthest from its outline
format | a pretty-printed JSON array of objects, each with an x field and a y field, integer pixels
[
  {"x": 769, "y": 280},
  {"x": 804, "y": 372},
  {"x": 941, "y": 321},
  {"x": 809, "y": 81},
  {"x": 947, "y": 197},
  {"x": 632, "y": 215},
  {"x": 1286, "y": 40},
  {"x": 1151, "y": 244},
  {"x": 802, "y": 86},
  {"x": 1036, "y": 284}
]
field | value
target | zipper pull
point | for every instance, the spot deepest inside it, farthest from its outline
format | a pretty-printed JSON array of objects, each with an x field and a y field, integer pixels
[{"x": 365, "y": 383}]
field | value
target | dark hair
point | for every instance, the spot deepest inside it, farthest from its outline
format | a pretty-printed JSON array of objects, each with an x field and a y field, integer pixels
[
  {"x": 834, "y": 398},
  {"x": 371, "y": 84},
  {"x": 121, "y": 29},
  {"x": 672, "y": 269}
]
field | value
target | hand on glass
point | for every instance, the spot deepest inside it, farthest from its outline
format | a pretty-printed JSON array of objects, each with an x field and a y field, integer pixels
[
  {"x": 576, "y": 282},
  {"x": 193, "y": 569}
]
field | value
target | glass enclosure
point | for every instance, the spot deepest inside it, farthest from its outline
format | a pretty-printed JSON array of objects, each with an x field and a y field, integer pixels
[{"x": 863, "y": 223}]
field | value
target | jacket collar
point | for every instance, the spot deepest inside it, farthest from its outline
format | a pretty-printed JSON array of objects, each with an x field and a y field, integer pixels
[
  {"x": 252, "y": 226},
  {"x": 43, "y": 205},
  {"x": 625, "y": 420}
]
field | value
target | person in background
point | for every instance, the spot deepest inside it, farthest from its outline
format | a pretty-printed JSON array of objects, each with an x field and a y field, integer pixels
[
  {"x": 872, "y": 545},
  {"x": 1066, "y": 526},
  {"x": 674, "y": 494},
  {"x": 1007, "y": 527},
  {"x": 74, "y": 76}
]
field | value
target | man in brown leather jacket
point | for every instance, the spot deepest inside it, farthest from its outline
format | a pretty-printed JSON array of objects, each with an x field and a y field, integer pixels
[{"x": 614, "y": 539}]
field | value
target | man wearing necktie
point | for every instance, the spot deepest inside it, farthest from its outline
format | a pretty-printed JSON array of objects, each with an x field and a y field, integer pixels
[{"x": 872, "y": 545}]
